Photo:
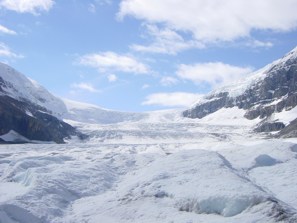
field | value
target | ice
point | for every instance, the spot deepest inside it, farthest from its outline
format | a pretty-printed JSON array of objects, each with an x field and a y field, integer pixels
[
  {"x": 148, "y": 167},
  {"x": 13, "y": 136},
  {"x": 92, "y": 114},
  {"x": 294, "y": 148},
  {"x": 265, "y": 160},
  {"x": 162, "y": 168},
  {"x": 189, "y": 186},
  {"x": 87, "y": 113},
  {"x": 13, "y": 214},
  {"x": 10, "y": 190},
  {"x": 278, "y": 179}
]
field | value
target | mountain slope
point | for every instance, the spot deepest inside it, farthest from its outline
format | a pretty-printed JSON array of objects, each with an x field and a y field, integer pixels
[
  {"x": 88, "y": 113},
  {"x": 262, "y": 95},
  {"x": 30, "y": 110},
  {"x": 267, "y": 97},
  {"x": 21, "y": 88}
]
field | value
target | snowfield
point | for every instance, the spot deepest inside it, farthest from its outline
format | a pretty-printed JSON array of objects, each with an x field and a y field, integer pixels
[
  {"x": 152, "y": 167},
  {"x": 161, "y": 168}
]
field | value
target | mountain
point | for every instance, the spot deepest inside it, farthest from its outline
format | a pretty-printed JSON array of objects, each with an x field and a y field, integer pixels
[
  {"x": 269, "y": 95},
  {"x": 28, "y": 112},
  {"x": 148, "y": 167},
  {"x": 88, "y": 113},
  {"x": 26, "y": 108}
]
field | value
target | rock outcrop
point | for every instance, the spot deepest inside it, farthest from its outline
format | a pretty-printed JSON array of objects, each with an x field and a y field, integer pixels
[
  {"x": 26, "y": 109},
  {"x": 271, "y": 90}
]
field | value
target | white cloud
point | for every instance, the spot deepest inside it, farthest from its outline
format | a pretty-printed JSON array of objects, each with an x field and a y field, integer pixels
[
  {"x": 85, "y": 86},
  {"x": 5, "y": 30},
  {"x": 27, "y": 6},
  {"x": 168, "y": 81},
  {"x": 110, "y": 61},
  {"x": 5, "y": 51},
  {"x": 258, "y": 43},
  {"x": 214, "y": 74},
  {"x": 145, "y": 86},
  {"x": 165, "y": 41},
  {"x": 112, "y": 78},
  {"x": 103, "y": 2},
  {"x": 215, "y": 20},
  {"x": 175, "y": 99},
  {"x": 92, "y": 8}
]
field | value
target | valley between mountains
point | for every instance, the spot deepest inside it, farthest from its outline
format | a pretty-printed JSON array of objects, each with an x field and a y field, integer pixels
[{"x": 232, "y": 157}]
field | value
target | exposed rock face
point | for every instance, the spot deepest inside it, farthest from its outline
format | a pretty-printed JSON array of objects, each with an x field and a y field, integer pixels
[
  {"x": 270, "y": 126},
  {"x": 32, "y": 123},
  {"x": 289, "y": 131},
  {"x": 274, "y": 90},
  {"x": 25, "y": 116}
]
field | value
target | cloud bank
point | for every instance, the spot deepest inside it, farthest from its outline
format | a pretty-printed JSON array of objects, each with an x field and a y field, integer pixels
[
  {"x": 5, "y": 51},
  {"x": 214, "y": 74},
  {"x": 215, "y": 20},
  {"x": 5, "y": 30},
  {"x": 110, "y": 61},
  {"x": 85, "y": 87},
  {"x": 174, "y": 99},
  {"x": 27, "y": 6}
]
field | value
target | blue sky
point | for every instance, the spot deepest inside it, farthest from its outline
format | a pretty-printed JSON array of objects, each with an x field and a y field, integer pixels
[{"x": 139, "y": 55}]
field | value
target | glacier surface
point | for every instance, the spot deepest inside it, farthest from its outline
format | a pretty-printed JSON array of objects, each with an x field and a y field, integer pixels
[{"x": 157, "y": 168}]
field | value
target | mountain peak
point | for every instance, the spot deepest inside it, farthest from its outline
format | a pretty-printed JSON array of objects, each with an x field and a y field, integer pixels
[
  {"x": 270, "y": 90},
  {"x": 29, "y": 110},
  {"x": 18, "y": 86}
]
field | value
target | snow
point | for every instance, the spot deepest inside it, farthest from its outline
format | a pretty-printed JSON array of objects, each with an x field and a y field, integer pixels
[
  {"x": 10, "y": 190},
  {"x": 285, "y": 116},
  {"x": 87, "y": 113},
  {"x": 147, "y": 167},
  {"x": 230, "y": 116},
  {"x": 187, "y": 183},
  {"x": 92, "y": 114},
  {"x": 13, "y": 136},
  {"x": 181, "y": 170},
  {"x": 279, "y": 180},
  {"x": 29, "y": 113},
  {"x": 236, "y": 88},
  {"x": 239, "y": 87},
  {"x": 20, "y": 87}
]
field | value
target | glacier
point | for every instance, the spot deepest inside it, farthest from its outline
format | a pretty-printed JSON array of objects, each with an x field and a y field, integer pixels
[
  {"x": 147, "y": 167},
  {"x": 161, "y": 168}
]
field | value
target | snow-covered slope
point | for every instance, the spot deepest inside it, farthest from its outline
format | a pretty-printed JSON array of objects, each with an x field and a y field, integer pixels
[
  {"x": 239, "y": 87},
  {"x": 148, "y": 167},
  {"x": 22, "y": 100},
  {"x": 242, "y": 180},
  {"x": 13, "y": 136},
  {"x": 18, "y": 86},
  {"x": 88, "y": 113},
  {"x": 264, "y": 95},
  {"x": 29, "y": 110}
]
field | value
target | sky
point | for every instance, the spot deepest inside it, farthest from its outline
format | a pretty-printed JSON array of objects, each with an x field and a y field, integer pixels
[{"x": 142, "y": 55}]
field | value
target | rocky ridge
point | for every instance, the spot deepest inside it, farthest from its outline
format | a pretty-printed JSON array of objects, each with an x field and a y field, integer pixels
[
  {"x": 270, "y": 90},
  {"x": 30, "y": 110}
]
